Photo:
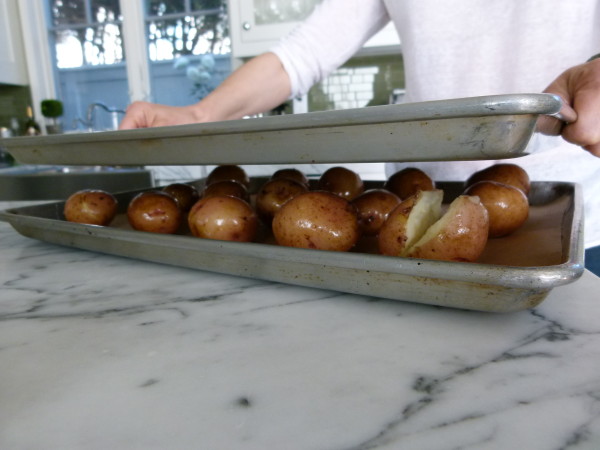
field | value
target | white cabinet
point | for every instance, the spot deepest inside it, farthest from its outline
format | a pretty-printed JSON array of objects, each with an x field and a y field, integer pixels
[
  {"x": 12, "y": 58},
  {"x": 256, "y": 25}
]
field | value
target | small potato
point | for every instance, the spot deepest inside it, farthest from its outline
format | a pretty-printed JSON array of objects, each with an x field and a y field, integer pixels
[
  {"x": 228, "y": 172},
  {"x": 506, "y": 173},
  {"x": 274, "y": 194},
  {"x": 341, "y": 181},
  {"x": 460, "y": 235},
  {"x": 91, "y": 206},
  {"x": 225, "y": 218},
  {"x": 185, "y": 194},
  {"x": 155, "y": 212},
  {"x": 373, "y": 207},
  {"x": 226, "y": 187},
  {"x": 317, "y": 220},
  {"x": 507, "y": 206},
  {"x": 409, "y": 181},
  {"x": 408, "y": 221},
  {"x": 293, "y": 174}
]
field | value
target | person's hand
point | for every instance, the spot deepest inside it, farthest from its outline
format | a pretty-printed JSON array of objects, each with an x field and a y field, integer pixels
[
  {"x": 579, "y": 87},
  {"x": 146, "y": 115}
]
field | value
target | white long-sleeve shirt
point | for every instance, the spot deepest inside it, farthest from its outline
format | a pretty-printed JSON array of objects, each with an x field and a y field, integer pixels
[{"x": 463, "y": 48}]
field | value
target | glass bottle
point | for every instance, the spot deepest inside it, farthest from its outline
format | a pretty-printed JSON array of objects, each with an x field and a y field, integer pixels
[{"x": 31, "y": 127}]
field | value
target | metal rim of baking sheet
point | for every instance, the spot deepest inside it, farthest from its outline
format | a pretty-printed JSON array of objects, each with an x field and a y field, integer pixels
[
  {"x": 474, "y": 128},
  {"x": 475, "y": 286}
]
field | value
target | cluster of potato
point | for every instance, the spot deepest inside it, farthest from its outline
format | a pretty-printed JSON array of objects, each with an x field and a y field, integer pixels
[{"x": 406, "y": 216}]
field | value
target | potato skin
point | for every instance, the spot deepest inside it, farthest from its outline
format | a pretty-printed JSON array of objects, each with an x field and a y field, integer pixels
[
  {"x": 373, "y": 207},
  {"x": 225, "y": 218},
  {"x": 460, "y": 235},
  {"x": 91, "y": 206},
  {"x": 317, "y": 220},
  {"x": 507, "y": 206},
  {"x": 228, "y": 172},
  {"x": 274, "y": 194},
  {"x": 293, "y": 174},
  {"x": 506, "y": 173},
  {"x": 185, "y": 194},
  {"x": 154, "y": 212},
  {"x": 226, "y": 187},
  {"x": 341, "y": 181},
  {"x": 409, "y": 181}
]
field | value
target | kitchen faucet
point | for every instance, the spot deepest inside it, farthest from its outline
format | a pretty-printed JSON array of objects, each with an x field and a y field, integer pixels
[{"x": 89, "y": 117}]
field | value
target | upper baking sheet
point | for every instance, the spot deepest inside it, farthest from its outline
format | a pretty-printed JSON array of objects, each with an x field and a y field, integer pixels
[{"x": 491, "y": 127}]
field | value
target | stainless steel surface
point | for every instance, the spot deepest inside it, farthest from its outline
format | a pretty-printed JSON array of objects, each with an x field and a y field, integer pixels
[
  {"x": 491, "y": 127},
  {"x": 56, "y": 183},
  {"x": 515, "y": 273}
]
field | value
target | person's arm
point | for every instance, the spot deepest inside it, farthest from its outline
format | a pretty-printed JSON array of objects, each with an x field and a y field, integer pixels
[
  {"x": 332, "y": 34},
  {"x": 579, "y": 87},
  {"x": 259, "y": 85}
]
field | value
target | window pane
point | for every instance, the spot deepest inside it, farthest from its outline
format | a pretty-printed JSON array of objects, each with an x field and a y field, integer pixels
[
  {"x": 189, "y": 53},
  {"x": 162, "y": 7},
  {"x": 198, "y": 5},
  {"x": 89, "y": 64},
  {"x": 106, "y": 11},
  {"x": 189, "y": 35},
  {"x": 68, "y": 12},
  {"x": 90, "y": 46}
]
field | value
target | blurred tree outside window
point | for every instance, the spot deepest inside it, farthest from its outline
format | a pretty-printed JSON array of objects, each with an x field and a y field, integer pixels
[{"x": 86, "y": 32}]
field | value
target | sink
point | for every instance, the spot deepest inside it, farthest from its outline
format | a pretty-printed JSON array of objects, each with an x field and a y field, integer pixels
[{"x": 58, "y": 182}]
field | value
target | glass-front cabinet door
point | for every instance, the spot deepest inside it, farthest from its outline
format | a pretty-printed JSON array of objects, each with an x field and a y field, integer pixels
[
  {"x": 271, "y": 12},
  {"x": 257, "y": 24}
]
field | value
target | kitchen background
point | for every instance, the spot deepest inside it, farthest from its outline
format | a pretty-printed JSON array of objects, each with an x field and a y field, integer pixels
[{"x": 96, "y": 56}]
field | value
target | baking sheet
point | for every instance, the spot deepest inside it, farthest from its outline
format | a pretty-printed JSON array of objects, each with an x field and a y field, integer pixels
[
  {"x": 476, "y": 128},
  {"x": 514, "y": 273}
]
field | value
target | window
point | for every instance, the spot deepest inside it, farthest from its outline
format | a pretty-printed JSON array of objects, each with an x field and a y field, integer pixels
[
  {"x": 185, "y": 42},
  {"x": 86, "y": 33},
  {"x": 187, "y": 39}
]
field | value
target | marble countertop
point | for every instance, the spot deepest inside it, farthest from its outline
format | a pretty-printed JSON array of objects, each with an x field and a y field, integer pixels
[{"x": 101, "y": 352}]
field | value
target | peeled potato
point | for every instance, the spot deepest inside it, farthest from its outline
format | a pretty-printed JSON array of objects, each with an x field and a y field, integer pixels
[
  {"x": 154, "y": 211},
  {"x": 274, "y": 194},
  {"x": 409, "y": 221},
  {"x": 226, "y": 187},
  {"x": 341, "y": 181},
  {"x": 409, "y": 181},
  {"x": 225, "y": 218},
  {"x": 91, "y": 206},
  {"x": 507, "y": 206},
  {"x": 506, "y": 173},
  {"x": 293, "y": 174},
  {"x": 185, "y": 194},
  {"x": 227, "y": 172},
  {"x": 373, "y": 207},
  {"x": 460, "y": 235},
  {"x": 317, "y": 220}
]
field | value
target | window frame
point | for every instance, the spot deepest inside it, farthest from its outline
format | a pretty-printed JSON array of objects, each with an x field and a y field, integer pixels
[{"x": 40, "y": 61}]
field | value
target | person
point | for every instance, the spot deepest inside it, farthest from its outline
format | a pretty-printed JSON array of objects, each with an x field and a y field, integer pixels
[{"x": 451, "y": 49}]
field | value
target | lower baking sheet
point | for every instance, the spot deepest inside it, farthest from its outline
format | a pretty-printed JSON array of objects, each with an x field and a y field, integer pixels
[{"x": 514, "y": 273}]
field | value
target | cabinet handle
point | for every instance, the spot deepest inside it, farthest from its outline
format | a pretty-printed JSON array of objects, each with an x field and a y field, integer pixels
[{"x": 246, "y": 25}]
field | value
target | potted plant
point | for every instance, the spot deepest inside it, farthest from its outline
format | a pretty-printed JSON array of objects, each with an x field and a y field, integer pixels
[{"x": 52, "y": 110}]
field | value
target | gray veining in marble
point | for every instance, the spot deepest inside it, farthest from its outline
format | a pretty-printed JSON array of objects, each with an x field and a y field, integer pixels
[{"x": 102, "y": 352}]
